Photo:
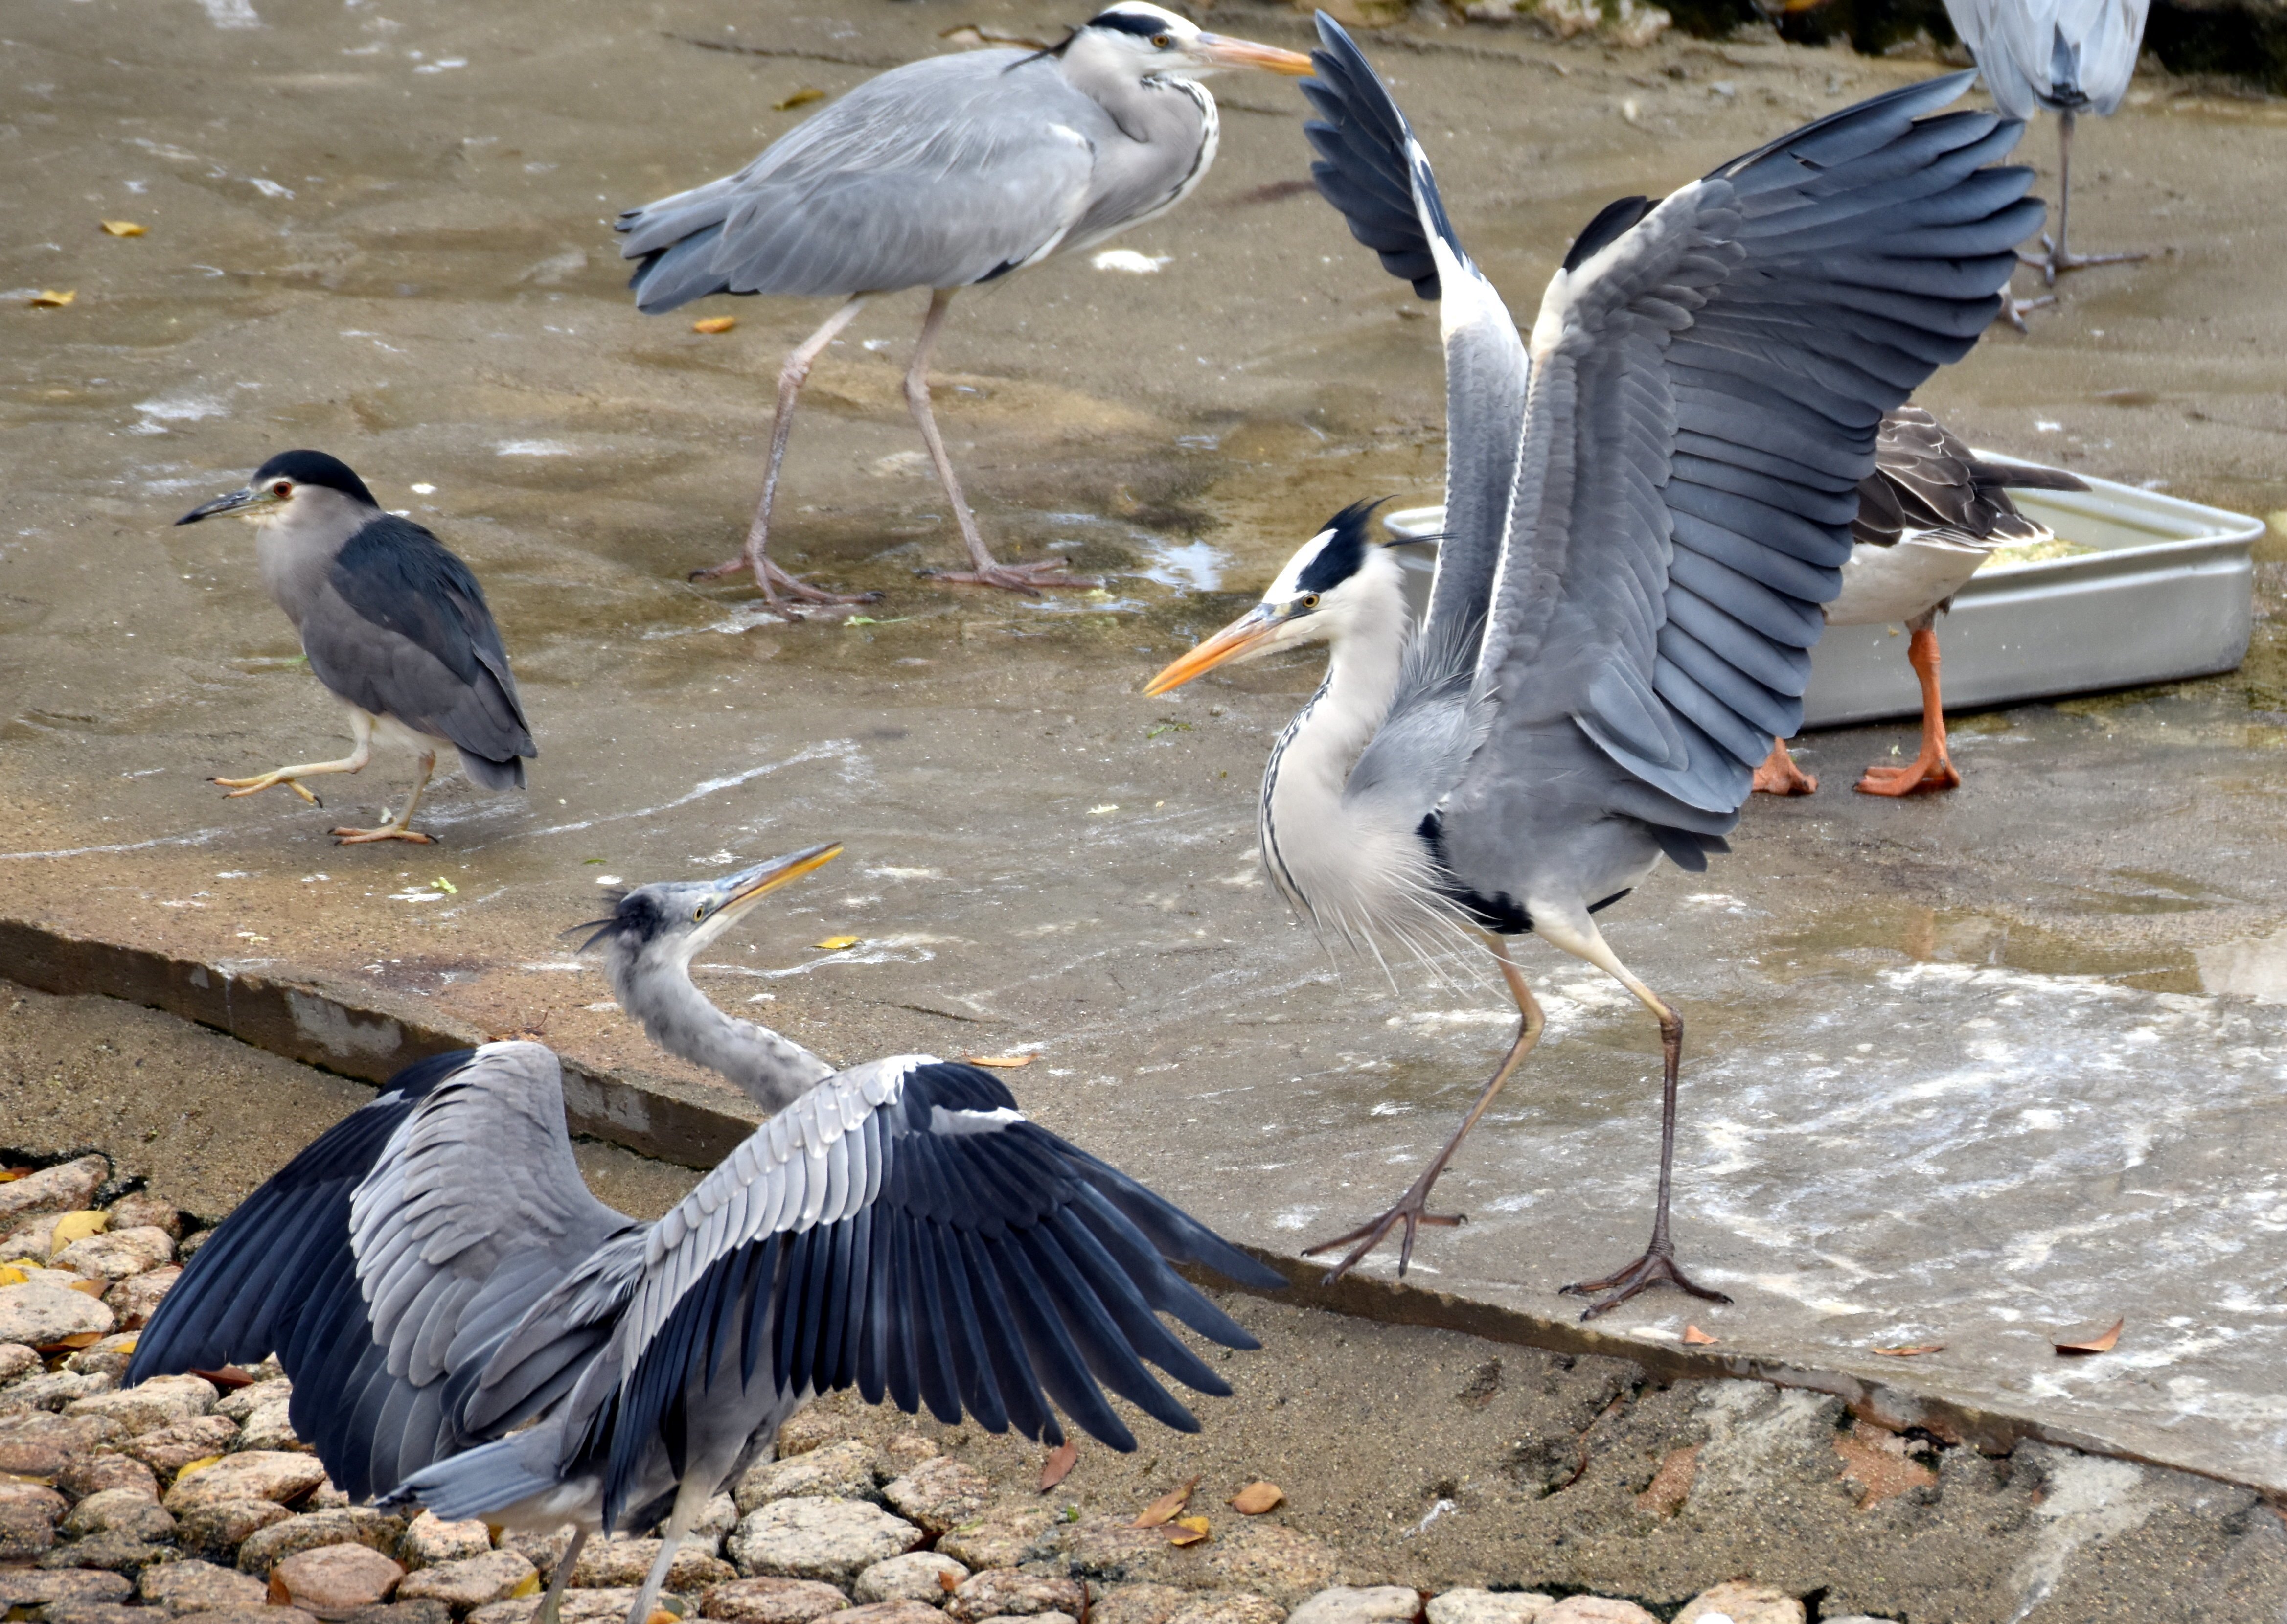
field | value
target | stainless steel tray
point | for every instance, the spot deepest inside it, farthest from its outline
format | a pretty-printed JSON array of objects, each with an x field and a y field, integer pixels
[{"x": 2168, "y": 594}]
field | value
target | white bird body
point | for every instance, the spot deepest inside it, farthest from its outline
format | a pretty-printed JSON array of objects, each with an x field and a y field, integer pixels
[{"x": 1897, "y": 584}]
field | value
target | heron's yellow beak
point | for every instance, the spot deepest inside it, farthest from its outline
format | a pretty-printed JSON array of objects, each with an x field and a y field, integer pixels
[
  {"x": 1224, "y": 52},
  {"x": 1244, "y": 635},
  {"x": 764, "y": 878}
]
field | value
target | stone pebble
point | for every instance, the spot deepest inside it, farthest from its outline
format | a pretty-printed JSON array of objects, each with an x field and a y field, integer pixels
[
  {"x": 1000, "y": 1593},
  {"x": 199, "y": 1586},
  {"x": 842, "y": 1471},
  {"x": 1736, "y": 1602},
  {"x": 765, "y": 1600},
  {"x": 1468, "y": 1606},
  {"x": 334, "y": 1581},
  {"x": 471, "y": 1581},
  {"x": 1596, "y": 1610},
  {"x": 819, "y": 1537},
  {"x": 616, "y": 1563},
  {"x": 918, "y": 1576}
]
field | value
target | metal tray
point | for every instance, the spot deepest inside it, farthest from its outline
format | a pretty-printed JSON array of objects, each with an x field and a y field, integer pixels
[{"x": 2168, "y": 594}]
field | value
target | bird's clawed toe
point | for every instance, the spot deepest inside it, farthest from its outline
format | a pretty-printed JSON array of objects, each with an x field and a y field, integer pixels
[
  {"x": 233, "y": 788},
  {"x": 1780, "y": 774},
  {"x": 1027, "y": 578},
  {"x": 361, "y": 837},
  {"x": 1411, "y": 1210},
  {"x": 1926, "y": 775},
  {"x": 1655, "y": 1267}
]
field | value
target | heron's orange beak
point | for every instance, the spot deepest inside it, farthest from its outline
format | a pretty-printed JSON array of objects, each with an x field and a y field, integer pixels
[
  {"x": 1224, "y": 52},
  {"x": 764, "y": 878},
  {"x": 1243, "y": 637}
]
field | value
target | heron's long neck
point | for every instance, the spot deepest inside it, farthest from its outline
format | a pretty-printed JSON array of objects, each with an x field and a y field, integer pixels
[
  {"x": 772, "y": 1070},
  {"x": 1311, "y": 833}
]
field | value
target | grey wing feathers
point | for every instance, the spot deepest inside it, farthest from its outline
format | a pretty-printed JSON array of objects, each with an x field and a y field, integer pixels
[
  {"x": 401, "y": 629},
  {"x": 938, "y": 174},
  {"x": 1706, "y": 400},
  {"x": 1926, "y": 479}
]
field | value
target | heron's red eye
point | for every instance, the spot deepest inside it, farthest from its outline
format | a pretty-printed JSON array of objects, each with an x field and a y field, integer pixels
[
  {"x": 1163, "y": 40},
  {"x": 284, "y": 487}
]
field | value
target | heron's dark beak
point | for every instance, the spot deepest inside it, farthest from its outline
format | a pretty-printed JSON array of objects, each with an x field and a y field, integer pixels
[
  {"x": 750, "y": 887},
  {"x": 1224, "y": 52},
  {"x": 1246, "y": 635},
  {"x": 237, "y": 499}
]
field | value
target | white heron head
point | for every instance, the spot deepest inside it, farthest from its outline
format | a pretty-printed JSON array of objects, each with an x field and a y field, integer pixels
[
  {"x": 1149, "y": 40},
  {"x": 1333, "y": 579},
  {"x": 658, "y": 927}
]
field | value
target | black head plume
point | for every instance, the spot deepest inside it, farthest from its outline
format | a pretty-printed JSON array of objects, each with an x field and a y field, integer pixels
[
  {"x": 1345, "y": 549},
  {"x": 315, "y": 468}
]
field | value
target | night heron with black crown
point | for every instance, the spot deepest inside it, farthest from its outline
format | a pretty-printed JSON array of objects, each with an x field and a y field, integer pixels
[
  {"x": 1646, "y": 504},
  {"x": 468, "y": 1327},
  {"x": 394, "y": 625},
  {"x": 947, "y": 173}
]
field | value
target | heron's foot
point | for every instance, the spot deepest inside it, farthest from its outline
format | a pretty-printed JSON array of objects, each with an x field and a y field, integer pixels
[
  {"x": 1027, "y": 578},
  {"x": 1655, "y": 1267},
  {"x": 1412, "y": 1210},
  {"x": 1780, "y": 774},
  {"x": 237, "y": 787},
  {"x": 2013, "y": 310},
  {"x": 1927, "y": 774},
  {"x": 2053, "y": 262},
  {"x": 388, "y": 831}
]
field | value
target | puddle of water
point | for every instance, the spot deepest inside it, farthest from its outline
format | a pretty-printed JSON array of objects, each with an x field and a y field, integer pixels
[
  {"x": 1189, "y": 566},
  {"x": 2256, "y": 969}
]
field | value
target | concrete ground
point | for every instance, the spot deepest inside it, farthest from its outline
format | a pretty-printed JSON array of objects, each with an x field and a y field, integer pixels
[{"x": 1967, "y": 1071}]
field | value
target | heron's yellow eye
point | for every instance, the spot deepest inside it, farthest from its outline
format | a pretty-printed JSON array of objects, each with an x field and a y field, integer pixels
[
  {"x": 1163, "y": 41},
  {"x": 282, "y": 487},
  {"x": 699, "y": 913},
  {"x": 1309, "y": 600}
]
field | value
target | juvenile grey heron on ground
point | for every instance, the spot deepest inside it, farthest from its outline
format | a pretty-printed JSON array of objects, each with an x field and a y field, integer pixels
[
  {"x": 1929, "y": 514},
  {"x": 946, "y": 174},
  {"x": 1645, "y": 507},
  {"x": 2064, "y": 55},
  {"x": 393, "y": 624},
  {"x": 466, "y": 1326}
]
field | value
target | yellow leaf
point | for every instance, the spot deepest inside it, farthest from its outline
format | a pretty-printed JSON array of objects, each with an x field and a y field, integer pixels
[
  {"x": 529, "y": 1585},
  {"x": 48, "y": 298},
  {"x": 715, "y": 324},
  {"x": 191, "y": 1468},
  {"x": 1004, "y": 1062},
  {"x": 93, "y": 1288},
  {"x": 802, "y": 97},
  {"x": 835, "y": 943},
  {"x": 9, "y": 1175},
  {"x": 121, "y": 228},
  {"x": 1256, "y": 1498},
  {"x": 1166, "y": 1506},
  {"x": 1186, "y": 1531},
  {"x": 76, "y": 1226},
  {"x": 13, "y": 1275},
  {"x": 1908, "y": 1350}
]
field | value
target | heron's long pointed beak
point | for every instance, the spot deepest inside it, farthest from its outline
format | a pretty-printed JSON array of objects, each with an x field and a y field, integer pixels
[
  {"x": 244, "y": 498},
  {"x": 1225, "y": 52},
  {"x": 757, "y": 882},
  {"x": 1243, "y": 637}
]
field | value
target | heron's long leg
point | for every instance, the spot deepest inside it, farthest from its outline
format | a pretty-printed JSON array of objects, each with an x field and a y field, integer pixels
[
  {"x": 395, "y": 829},
  {"x": 756, "y": 554},
  {"x": 1412, "y": 1208},
  {"x": 983, "y": 569},
  {"x": 1779, "y": 774},
  {"x": 360, "y": 731},
  {"x": 691, "y": 1498},
  {"x": 1932, "y": 767},
  {"x": 2057, "y": 256},
  {"x": 552, "y": 1603},
  {"x": 1578, "y": 935}
]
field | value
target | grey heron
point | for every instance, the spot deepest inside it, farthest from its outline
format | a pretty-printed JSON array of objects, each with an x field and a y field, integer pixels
[
  {"x": 1645, "y": 506},
  {"x": 944, "y": 174},
  {"x": 394, "y": 625},
  {"x": 467, "y": 1327},
  {"x": 1930, "y": 513},
  {"x": 2064, "y": 55}
]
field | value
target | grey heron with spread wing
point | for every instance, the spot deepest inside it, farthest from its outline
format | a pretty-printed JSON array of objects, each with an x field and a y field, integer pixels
[
  {"x": 467, "y": 1327},
  {"x": 393, "y": 624},
  {"x": 946, "y": 174},
  {"x": 1645, "y": 505},
  {"x": 2065, "y": 55}
]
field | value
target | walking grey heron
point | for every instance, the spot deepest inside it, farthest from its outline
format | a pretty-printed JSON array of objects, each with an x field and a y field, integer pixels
[
  {"x": 468, "y": 1327},
  {"x": 2064, "y": 55},
  {"x": 1645, "y": 506},
  {"x": 393, "y": 624},
  {"x": 946, "y": 174},
  {"x": 1929, "y": 514}
]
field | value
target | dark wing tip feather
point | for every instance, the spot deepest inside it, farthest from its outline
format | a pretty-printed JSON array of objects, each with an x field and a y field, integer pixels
[{"x": 1366, "y": 169}]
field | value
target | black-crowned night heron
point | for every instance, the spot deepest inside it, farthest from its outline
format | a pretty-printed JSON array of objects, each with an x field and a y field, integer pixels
[
  {"x": 1929, "y": 514},
  {"x": 393, "y": 624},
  {"x": 1645, "y": 506},
  {"x": 944, "y": 174},
  {"x": 467, "y": 1327}
]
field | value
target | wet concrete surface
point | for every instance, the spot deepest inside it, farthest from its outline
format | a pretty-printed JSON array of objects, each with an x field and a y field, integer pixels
[{"x": 1965, "y": 1071}]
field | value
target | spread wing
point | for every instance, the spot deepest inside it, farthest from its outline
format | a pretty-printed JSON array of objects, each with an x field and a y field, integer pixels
[
  {"x": 403, "y": 630},
  {"x": 938, "y": 174},
  {"x": 379, "y": 1261},
  {"x": 902, "y": 1229},
  {"x": 1708, "y": 385}
]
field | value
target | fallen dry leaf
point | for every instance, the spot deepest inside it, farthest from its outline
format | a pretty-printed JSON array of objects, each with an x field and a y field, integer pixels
[
  {"x": 229, "y": 1378},
  {"x": 2101, "y": 1343},
  {"x": 13, "y": 1275},
  {"x": 947, "y": 1583},
  {"x": 121, "y": 228},
  {"x": 190, "y": 1469},
  {"x": 1059, "y": 1466},
  {"x": 1694, "y": 1337},
  {"x": 1910, "y": 1349},
  {"x": 835, "y": 943},
  {"x": 93, "y": 1288},
  {"x": 69, "y": 1344},
  {"x": 1256, "y": 1498},
  {"x": 1005, "y": 1063},
  {"x": 9, "y": 1175},
  {"x": 48, "y": 298},
  {"x": 802, "y": 97},
  {"x": 76, "y": 1226},
  {"x": 529, "y": 1585},
  {"x": 1186, "y": 1531},
  {"x": 715, "y": 324},
  {"x": 1166, "y": 1506}
]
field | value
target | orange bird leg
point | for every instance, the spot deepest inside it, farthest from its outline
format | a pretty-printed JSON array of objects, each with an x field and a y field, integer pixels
[
  {"x": 1780, "y": 775},
  {"x": 1932, "y": 769}
]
